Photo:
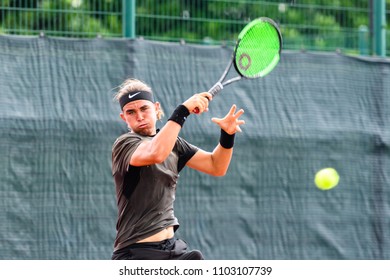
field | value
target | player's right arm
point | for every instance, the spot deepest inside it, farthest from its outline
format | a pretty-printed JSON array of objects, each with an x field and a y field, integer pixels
[
  {"x": 159, "y": 148},
  {"x": 156, "y": 150}
]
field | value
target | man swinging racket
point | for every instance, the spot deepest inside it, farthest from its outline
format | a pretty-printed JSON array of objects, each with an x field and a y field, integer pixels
[{"x": 145, "y": 166}]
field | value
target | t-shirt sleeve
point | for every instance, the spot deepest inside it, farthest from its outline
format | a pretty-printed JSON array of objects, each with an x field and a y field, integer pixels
[
  {"x": 122, "y": 151},
  {"x": 186, "y": 151}
]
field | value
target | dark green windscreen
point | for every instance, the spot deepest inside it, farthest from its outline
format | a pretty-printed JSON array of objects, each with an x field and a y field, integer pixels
[{"x": 58, "y": 122}]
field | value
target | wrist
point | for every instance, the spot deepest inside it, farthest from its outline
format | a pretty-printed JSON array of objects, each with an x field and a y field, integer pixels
[
  {"x": 226, "y": 140},
  {"x": 180, "y": 115}
]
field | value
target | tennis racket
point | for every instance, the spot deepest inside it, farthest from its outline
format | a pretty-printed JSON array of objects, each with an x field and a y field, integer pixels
[{"x": 256, "y": 53}]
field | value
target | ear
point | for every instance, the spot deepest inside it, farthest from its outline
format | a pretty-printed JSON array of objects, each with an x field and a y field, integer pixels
[
  {"x": 122, "y": 116},
  {"x": 157, "y": 106}
]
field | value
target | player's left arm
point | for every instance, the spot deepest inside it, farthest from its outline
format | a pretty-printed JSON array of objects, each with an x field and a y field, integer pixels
[{"x": 217, "y": 162}]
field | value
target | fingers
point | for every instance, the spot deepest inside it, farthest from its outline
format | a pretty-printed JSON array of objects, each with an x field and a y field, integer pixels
[
  {"x": 233, "y": 111},
  {"x": 238, "y": 123},
  {"x": 231, "y": 122},
  {"x": 207, "y": 95},
  {"x": 216, "y": 120},
  {"x": 239, "y": 113},
  {"x": 198, "y": 103},
  {"x": 205, "y": 98}
]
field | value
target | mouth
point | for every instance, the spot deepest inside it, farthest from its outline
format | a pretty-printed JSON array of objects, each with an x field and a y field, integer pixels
[{"x": 142, "y": 126}]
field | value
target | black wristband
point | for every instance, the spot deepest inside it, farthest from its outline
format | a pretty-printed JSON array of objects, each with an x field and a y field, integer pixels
[
  {"x": 179, "y": 115},
  {"x": 226, "y": 140}
]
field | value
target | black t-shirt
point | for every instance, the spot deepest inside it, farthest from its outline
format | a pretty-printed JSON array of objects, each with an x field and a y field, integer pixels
[{"x": 145, "y": 195}]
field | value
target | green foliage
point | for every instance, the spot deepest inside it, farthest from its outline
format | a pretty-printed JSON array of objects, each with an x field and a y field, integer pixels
[
  {"x": 75, "y": 18},
  {"x": 309, "y": 24}
]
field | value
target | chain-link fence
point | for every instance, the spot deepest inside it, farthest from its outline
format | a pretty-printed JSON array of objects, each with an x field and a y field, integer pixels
[{"x": 320, "y": 25}]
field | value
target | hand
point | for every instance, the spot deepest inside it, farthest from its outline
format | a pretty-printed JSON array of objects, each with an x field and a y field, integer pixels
[
  {"x": 198, "y": 103},
  {"x": 230, "y": 123}
]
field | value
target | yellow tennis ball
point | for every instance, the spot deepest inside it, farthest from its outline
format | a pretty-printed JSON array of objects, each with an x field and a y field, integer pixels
[{"x": 326, "y": 178}]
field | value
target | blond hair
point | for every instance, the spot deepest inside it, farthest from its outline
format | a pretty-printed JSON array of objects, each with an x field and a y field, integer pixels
[{"x": 130, "y": 85}]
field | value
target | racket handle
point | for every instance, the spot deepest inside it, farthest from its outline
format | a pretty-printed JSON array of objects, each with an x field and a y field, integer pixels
[{"x": 215, "y": 89}]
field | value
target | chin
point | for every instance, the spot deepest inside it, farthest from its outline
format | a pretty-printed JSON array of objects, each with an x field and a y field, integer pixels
[{"x": 144, "y": 132}]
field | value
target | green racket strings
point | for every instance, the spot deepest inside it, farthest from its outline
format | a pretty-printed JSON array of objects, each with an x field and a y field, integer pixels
[{"x": 258, "y": 51}]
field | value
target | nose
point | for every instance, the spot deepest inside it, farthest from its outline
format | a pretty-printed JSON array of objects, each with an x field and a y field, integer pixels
[{"x": 139, "y": 116}]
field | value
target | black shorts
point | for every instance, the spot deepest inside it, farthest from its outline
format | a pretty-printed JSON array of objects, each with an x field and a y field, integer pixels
[{"x": 169, "y": 249}]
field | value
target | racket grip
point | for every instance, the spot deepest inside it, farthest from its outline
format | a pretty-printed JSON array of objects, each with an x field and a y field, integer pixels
[{"x": 215, "y": 89}]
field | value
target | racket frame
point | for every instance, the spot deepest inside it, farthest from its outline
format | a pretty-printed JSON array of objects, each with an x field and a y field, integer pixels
[{"x": 218, "y": 86}]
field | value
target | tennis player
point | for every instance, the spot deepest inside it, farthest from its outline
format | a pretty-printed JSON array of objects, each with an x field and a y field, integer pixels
[{"x": 146, "y": 163}]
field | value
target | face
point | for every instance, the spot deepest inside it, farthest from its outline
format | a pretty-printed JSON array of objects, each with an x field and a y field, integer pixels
[{"x": 141, "y": 116}]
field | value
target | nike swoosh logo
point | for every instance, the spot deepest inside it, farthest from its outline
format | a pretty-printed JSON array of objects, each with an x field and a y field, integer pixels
[{"x": 135, "y": 94}]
